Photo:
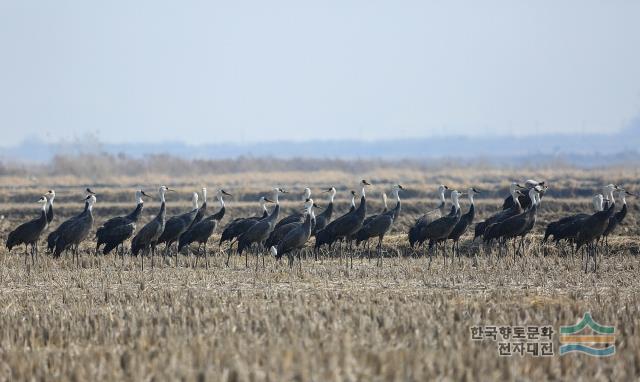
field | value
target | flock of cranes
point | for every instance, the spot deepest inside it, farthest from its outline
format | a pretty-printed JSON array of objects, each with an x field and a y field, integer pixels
[{"x": 266, "y": 234}]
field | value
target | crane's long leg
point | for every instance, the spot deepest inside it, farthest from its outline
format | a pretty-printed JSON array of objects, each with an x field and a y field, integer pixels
[{"x": 380, "y": 250}]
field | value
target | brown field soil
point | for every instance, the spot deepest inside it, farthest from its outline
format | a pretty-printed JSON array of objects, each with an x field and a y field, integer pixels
[{"x": 408, "y": 319}]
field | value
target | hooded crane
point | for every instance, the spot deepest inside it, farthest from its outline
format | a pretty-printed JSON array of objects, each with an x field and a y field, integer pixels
[
  {"x": 324, "y": 217},
  {"x": 147, "y": 238},
  {"x": 177, "y": 225},
  {"x": 256, "y": 235},
  {"x": 202, "y": 211},
  {"x": 238, "y": 226},
  {"x": 53, "y": 235},
  {"x": 77, "y": 231},
  {"x": 379, "y": 225},
  {"x": 514, "y": 226},
  {"x": 324, "y": 236},
  {"x": 279, "y": 233},
  {"x": 417, "y": 233},
  {"x": 202, "y": 231},
  {"x": 297, "y": 237},
  {"x": 345, "y": 225},
  {"x": 617, "y": 218},
  {"x": 502, "y": 215},
  {"x": 567, "y": 228},
  {"x": 28, "y": 233},
  {"x": 465, "y": 221},
  {"x": 439, "y": 229},
  {"x": 115, "y": 231},
  {"x": 296, "y": 217},
  {"x": 524, "y": 199},
  {"x": 366, "y": 221},
  {"x": 594, "y": 226}
]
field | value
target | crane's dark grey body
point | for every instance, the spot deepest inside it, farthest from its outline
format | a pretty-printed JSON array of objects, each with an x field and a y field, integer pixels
[
  {"x": 417, "y": 234},
  {"x": 116, "y": 230},
  {"x": 176, "y": 226},
  {"x": 147, "y": 238},
  {"x": 615, "y": 220},
  {"x": 238, "y": 226},
  {"x": 566, "y": 228},
  {"x": 28, "y": 234},
  {"x": 343, "y": 226},
  {"x": 295, "y": 239},
  {"x": 482, "y": 226},
  {"x": 258, "y": 232},
  {"x": 53, "y": 236},
  {"x": 201, "y": 231},
  {"x": 592, "y": 228},
  {"x": 74, "y": 233}
]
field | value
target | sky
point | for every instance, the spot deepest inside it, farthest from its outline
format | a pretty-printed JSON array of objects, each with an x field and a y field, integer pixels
[{"x": 254, "y": 70}]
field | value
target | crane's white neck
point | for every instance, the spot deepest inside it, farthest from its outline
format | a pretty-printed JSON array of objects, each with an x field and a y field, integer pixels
[
  {"x": 275, "y": 196},
  {"x": 92, "y": 201},
  {"x": 263, "y": 205},
  {"x": 45, "y": 206},
  {"x": 49, "y": 201},
  {"x": 220, "y": 200},
  {"x": 532, "y": 195},
  {"x": 470, "y": 196},
  {"x": 623, "y": 197},
  {"x": 384, "y": 200},
  {"x": 307, "y": 194},
  {"x": 204, "y": 195},
  {"x": 353, "y": 200},
  {"x": 597, "y": 202},
  {"x": 162, "y": 191},
  {"x": 455, "y": 201},
  {"x": 194, "y": 200},
  {"x": 362, "y": 191},
  {"x": 441, "y": 192},
  {"x": 139, "y": 197},
  {"x": 396, "y": 193},
  {"x": 332, "y": 195}
]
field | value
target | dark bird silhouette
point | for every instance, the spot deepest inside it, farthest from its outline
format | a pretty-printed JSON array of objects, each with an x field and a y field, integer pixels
[
  {"x": 417, "y": 234},
  {"x": 379, "y": 225},
  {"x": 75, "y": 233},
  {"x": 177, "y": 225},
  {"x": 258, "y": 233},
  {"x": 115, "y": 231},
  {"x": 594, "y": 226},
  {"x": 465, "y": 221},
  {"x": 345, "y": 225},
  {"x": 296, "y": 238},
  {"x": 295, "y": 217},
  {"x": 147, "y": 238},
  {"x": 366, "y": 221},
  {"x": 324, "y": 217},
  {"x": 239, "y": 226},
  {"x": 438, "y": 230},
  {"x": 567, "y": 228},
  {"x": 516, "y": 209},
  {"x": 53, "y": 235},
  {"x": 279, "y": 233},
  {"x": 28, "y": 233},
  {"x": 202, "y": 231}
]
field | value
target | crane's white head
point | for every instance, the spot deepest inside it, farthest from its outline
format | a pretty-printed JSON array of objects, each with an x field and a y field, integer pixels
[
  {"x": 455, "y": 198},
  {"x": 395, "y": 191},
  {"x": 90, "y": 200},
  {"x": 608, "y": 191},
  {"x": 353, "y": 198},
  {"x": 363, "y": 184},
  {"x": 44, "y": 201},
  {"x": 276, "y": 192},
  {"x": 307, "y": 193},
  {"x": 471, "y": 192},
  {"x": 597, "y": 201},
  {"x": 51, "y": 194},
  {"x": 163, "y": 190},
  {"x": 530, "y": 183},
  {"x": 441, "y": 190},
  {"x": 332, "y": 193},
  {"x": 220, "y": 194}
]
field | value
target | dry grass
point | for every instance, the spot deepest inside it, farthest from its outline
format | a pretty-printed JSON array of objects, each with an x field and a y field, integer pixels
[{"x": 105, "y": 320}]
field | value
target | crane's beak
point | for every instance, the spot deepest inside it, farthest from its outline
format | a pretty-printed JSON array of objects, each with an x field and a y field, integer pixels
[
  {"x": 171, "y": 189},
  {"x": 315, "y": 205},
  {"x": 327, "y": 190},
  {"x": 400, "y": 187},
  {"x": 225, "y": 193},
  {"x": 629, "y": 193},
  {"x": 365, "y": 182},
  {"x": 520, "y": 186},
  {"x": 89, "y": 191},
  {"x": 268, "y": 200},
  {"x": 283, "y": 191},
  {"x": 145, "y": 194},
  {"x": 475, "y": 190}
]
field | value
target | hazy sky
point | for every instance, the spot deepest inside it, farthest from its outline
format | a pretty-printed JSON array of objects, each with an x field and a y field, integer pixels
[{"x": 211, "y": 71}]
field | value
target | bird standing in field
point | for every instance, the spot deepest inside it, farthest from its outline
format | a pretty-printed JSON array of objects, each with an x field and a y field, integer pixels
[
  {"x": 380, "y": 224},
  {"x": 515, "y": 209},
  {"x": 324, "y": 217},
  {"x": 256, "y": 235},
  {"x": 568, "y": 227},
  {"x": 76, "y": 232},
  {"x": 465, "y": 221},
  {"x": 617, "y": 218},
  {"x": 417, "y": 234},
  {"x": 28, "y": 233},
  {"x": 176, "y": 226},
  {"x": 202, "y": 231},
  {"x": 296, "y": 217},
  {"x": 115, "y": 231},
  {"x": 296, "y": 238},
  {"x": 147, "y": 238},
  {"x": 438, "y": 230},
  {"x": 53, "y": 235}
]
